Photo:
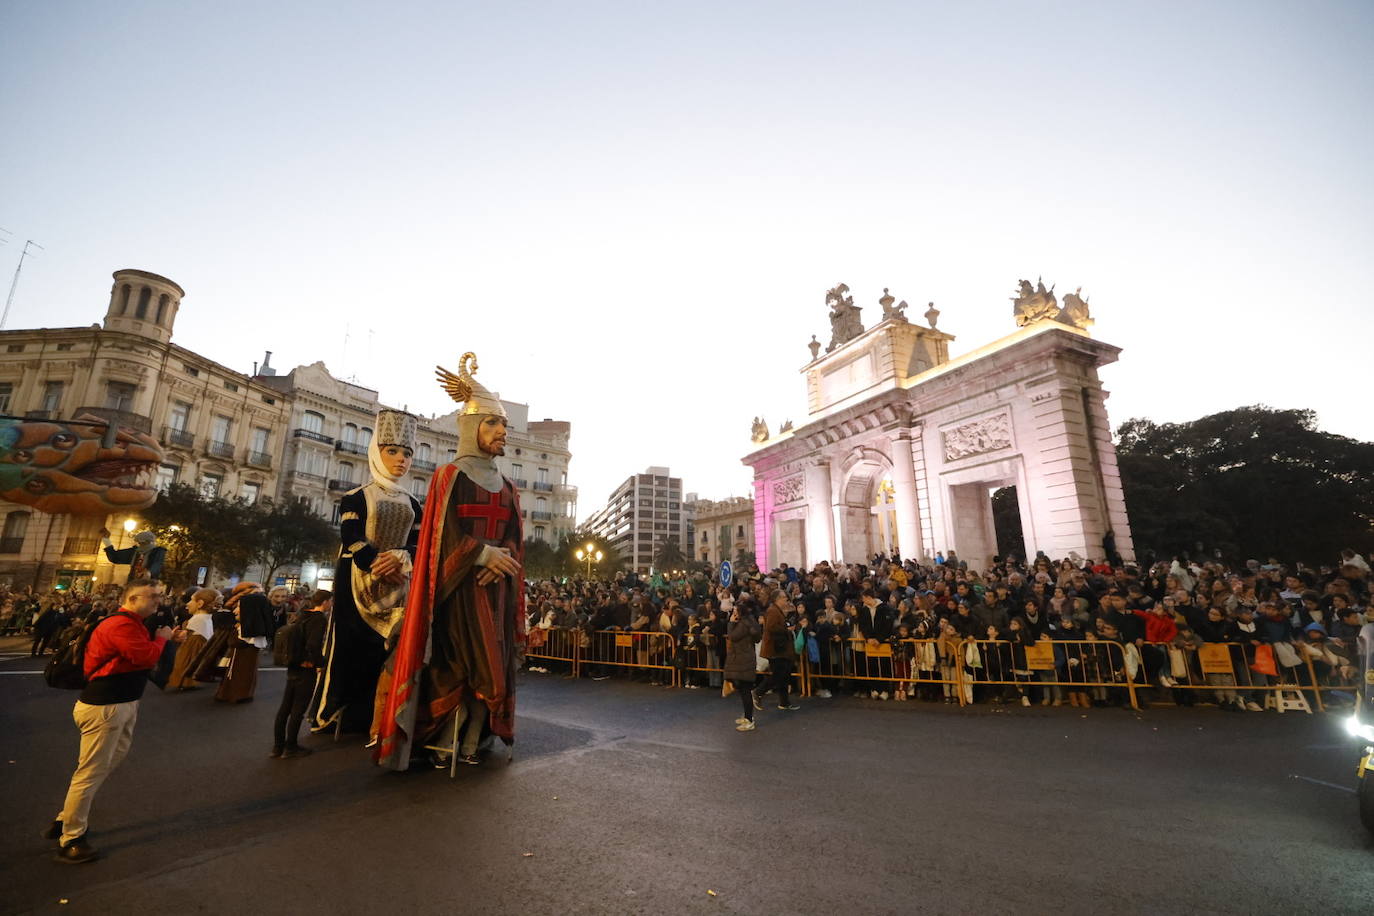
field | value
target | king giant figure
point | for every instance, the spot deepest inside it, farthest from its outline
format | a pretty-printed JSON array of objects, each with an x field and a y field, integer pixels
[{"x": 463, "y": 635}]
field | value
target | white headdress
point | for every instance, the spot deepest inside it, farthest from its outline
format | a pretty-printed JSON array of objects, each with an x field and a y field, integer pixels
[{"x": 393, "y": 427}]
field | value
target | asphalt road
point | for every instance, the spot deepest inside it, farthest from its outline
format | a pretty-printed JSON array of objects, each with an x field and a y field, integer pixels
[{"x": 624, "y": 798}]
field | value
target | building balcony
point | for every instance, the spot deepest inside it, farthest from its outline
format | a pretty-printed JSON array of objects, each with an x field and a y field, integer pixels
[
  {"x": 259, "y": 459},
  {"x": 538, "y": 516},
  {"x": 521, "y": 482},
  {"x": 177, "y": 438},
  {"x": 119, "y": 417},
  {"x": 81, "y": 546},
  {"x": 419, "y": 465},
  {"x": 565, "y": 492},
  {"x": 38, "y": 415},
  {"x": 543, "y": 485},
  {"x": 351, "y": 448},
  {"x": 341, "y": 486},
  {"x": 308, "y": 477},
  {"x": 11, "y": 545},
  {"x": 301, "y": 433},
  {"x": 220, "y": 450}
]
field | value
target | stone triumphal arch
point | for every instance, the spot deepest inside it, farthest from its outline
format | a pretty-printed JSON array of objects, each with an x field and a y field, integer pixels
[{"x": 903, "y": 447}]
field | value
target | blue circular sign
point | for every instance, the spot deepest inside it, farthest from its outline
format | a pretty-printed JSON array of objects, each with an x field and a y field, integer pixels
[{"x": 727, "y": 574}]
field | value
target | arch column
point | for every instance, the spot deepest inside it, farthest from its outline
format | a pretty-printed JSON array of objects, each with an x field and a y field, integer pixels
[
  {"x": 820, "y": 515},
  {"x": 904, "y": 485}
]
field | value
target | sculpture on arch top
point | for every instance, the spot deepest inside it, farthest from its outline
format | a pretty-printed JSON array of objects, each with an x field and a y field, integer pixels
[
  {"x": 1033, "y": 304},
  {"x": 759, "y": 431},
  {"x": 845, "y": 323}
]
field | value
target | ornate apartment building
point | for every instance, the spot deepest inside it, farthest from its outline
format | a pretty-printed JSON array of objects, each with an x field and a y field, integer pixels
[
  {"x": 220, "y": 429},
  {"x": 723, "y": 529},
  {"x": 303, "y": 434}
]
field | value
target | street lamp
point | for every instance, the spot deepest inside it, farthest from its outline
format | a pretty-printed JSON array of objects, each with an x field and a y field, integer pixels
[{"x": 590, "y": 554}]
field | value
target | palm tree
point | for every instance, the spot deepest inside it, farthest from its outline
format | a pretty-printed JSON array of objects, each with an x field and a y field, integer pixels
[{"x": 669, "y": 556}]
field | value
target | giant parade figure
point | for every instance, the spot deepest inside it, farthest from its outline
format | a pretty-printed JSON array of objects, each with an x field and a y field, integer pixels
[
  {"x": 463, "y": 635},
  {"x": 379, "y": 525}
]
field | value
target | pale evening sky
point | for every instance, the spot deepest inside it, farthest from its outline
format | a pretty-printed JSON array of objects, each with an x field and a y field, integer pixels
[{"x": 632, "y": 211}]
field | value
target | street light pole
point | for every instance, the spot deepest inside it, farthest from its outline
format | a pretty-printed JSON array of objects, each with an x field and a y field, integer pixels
[{"x": 590, "y": 554}]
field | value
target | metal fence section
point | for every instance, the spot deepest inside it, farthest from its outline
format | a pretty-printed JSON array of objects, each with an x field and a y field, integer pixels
[
  {"x": 1227, "y": 673},
  {"x": 1099, "y": 668},
  {"x": 631, "y": 649}
]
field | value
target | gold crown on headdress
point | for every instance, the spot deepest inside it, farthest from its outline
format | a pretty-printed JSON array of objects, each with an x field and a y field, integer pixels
[{"x": 466, "y": 390}]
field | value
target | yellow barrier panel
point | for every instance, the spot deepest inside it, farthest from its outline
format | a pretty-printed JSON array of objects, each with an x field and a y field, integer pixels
[{"x": 1095, "y": 668}]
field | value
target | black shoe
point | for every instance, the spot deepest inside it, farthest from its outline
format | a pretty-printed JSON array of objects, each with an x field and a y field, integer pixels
[
  {"x": 471, "y": 760},
  {"x": 54, "y": 832},
  {"x": 76, "y": 852},
  {"x": 296, "y": 752}
]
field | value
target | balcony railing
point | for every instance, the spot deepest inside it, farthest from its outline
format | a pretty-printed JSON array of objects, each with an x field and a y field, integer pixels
[
  {"x": 220, "y": 450},
  {"x": 38, "y": 414},
  {"x": 11, "y": 545},
  {"x": 543, "y": 485},
  {"x": 312, "y": 478},
  {"x": 541, "y": 516},
  {"x": 260, "y": 459},
  {"x": 522, "y": 483},
  {"x": 81, "y": 546},
  {"x": 119, "y": 417},
  {"x": 351, "y": 448},
  {"x": 423, "y": 465},
  {"x": 341, "y": 485},
  {"x": 302, "y": 433},
  {"x": 179, "y": 438}
]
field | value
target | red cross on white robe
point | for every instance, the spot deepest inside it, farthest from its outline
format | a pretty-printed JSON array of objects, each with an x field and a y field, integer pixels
[{"x": 492, "y": 511}]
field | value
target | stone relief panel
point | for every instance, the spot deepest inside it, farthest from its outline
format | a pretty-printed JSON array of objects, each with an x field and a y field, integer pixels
[
  {"x": 985, "y": 434},
  {"x": 788, "y": 490}
]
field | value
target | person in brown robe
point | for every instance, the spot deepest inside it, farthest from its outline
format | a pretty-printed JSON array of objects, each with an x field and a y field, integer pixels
[
  {"x": 199, "y": 631},
  {"x": 254, "y": 614}
]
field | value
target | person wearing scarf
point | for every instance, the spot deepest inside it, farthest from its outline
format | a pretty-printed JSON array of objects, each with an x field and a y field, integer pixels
[{"x": 378, "y": 526}]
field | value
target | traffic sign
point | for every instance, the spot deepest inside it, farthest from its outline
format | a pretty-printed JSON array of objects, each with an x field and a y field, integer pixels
[{"x": 727, "y": 574}]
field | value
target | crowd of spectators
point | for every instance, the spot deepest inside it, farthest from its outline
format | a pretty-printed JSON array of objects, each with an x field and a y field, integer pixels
[{"x": 899, "y": 630}]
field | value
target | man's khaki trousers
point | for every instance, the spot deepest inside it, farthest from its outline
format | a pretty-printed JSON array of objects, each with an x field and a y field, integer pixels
[{"x": 106, "y": 733}]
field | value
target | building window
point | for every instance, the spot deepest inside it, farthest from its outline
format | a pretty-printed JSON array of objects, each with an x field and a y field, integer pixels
[
  {"x": 16, "y": 526},
  {"x": 166, "y": 476},
  {"x": 334, "y": 517},
  {"x": 119, "y": 396},
  {"x": 15, "y": 348},
  {"x": 517, "y": 470},
  {"x": 426, "y": 454},
  {"x": 260, "y": 440},
  {"x": 210, "y": 485},
  {"x": 191, "y": 371},
  {"x": 223, "y": 430},
  {"x": 739, "y": 533},
  {"x": 250, "y": 492},
  {"x": 161, "y": 307},
  {"x": 267, "y": 400},
  {"x": 451, "y": 454},
  {"x": 124, "y": 299},
  {"x": 230, "y": 386},
  {"x": 418, "y": 488},
  {"x": 313, "y": 422},
  {"x": 346, "y": 471},
  {"x": 350, "y": 434},
  {"x": 180, "y": 417},
  {"x": 542, "y": 475},
  {"x": 145, "y": 295},
  {"x": 309, "y": 461},
  {"x": 6, "y": 393},
  {"x": 63, "y": 348},
  {"x": 539, "y": 533},
  {"x": 364, "y": 437}
]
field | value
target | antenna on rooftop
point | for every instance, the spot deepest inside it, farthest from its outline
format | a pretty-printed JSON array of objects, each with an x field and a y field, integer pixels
[{"x": 14, "y": 285}]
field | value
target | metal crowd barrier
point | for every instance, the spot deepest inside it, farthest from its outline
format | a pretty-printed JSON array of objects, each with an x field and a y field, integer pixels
[
  {"x": 1227, "y": 670},
  {"x": 555, "y": 644},
  {"x": 631, "y": 649},
  {"x": 1097, "y": 667}
]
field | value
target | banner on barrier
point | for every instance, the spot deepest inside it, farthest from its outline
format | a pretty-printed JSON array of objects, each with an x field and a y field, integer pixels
[
  {"x": 624, "y": 640},
  {"x": 1215, "y": 658},
  {"x": 1040, "y": 657}
]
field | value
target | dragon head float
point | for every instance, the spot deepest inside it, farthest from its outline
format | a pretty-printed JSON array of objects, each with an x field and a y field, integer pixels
[{"x": 76, "y": 468}]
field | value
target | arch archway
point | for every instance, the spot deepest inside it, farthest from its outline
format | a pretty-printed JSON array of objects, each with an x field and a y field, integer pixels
[{"x": 856, "y": 524}]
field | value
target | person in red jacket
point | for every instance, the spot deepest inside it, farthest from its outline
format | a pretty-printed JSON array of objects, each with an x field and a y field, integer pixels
[
  {"x": 118, "y": 657},
  {"x": 1160, "y": 630}
]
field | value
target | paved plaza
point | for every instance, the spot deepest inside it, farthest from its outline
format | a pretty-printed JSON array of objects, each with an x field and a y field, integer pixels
[{"x": 625, "y": 798}]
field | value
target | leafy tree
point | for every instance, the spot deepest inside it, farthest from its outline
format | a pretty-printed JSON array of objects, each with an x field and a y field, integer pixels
[
  {"x": 201, "y": 531},
  {"x": 1252, "y": 482},
  {"x": 542, "y": 560},
  {"x": 288, "y": 533},
  {"x": 746, "y": 562}
]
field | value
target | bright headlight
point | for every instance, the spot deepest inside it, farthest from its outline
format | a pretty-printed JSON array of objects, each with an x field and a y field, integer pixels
[{"x": 1359, "y": 729}]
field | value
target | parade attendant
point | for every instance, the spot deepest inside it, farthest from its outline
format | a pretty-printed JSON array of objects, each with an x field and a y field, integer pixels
[
  {"x": 378, "y": 524},
  {"x": 302, "y": 642},
  {"x": 200, "y": 630},
  {"x": 144, "y": 559},
  {"x": 118, "y": 658},
  {"x": 463, "y": 636},
  {"x": 254, "y": 625}
]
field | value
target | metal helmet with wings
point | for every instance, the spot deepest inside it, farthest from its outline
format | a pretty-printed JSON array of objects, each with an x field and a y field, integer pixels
[{"x": 466, "y": 390}]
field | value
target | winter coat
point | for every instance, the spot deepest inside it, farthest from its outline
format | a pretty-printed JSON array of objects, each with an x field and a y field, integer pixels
[
  {"x": 777, "y": 639},
  {"x": 739, "y": 649}
]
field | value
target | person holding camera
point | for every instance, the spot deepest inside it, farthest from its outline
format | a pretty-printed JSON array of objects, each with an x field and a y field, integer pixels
[
  {"x": 117, "y": 660},
  {"x": 741, "y": 634}
]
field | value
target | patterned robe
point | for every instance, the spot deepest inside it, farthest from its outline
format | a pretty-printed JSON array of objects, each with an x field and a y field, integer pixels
[{"x": 458, "y": 639}]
